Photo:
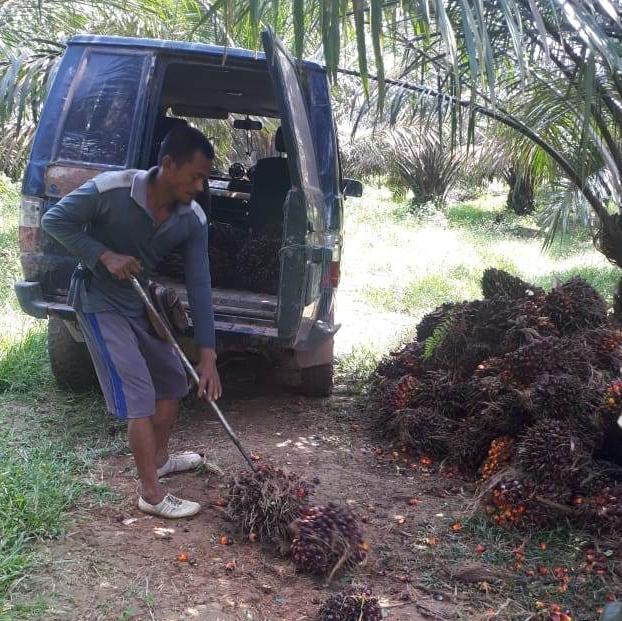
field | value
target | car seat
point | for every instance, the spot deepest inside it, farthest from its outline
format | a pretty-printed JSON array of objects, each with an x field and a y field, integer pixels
[{"x": 271, "y": 183}]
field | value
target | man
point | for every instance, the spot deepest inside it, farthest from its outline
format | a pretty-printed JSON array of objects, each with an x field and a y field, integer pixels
[{"x": 119, "y": 224}]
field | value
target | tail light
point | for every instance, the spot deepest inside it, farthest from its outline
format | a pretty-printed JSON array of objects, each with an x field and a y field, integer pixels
[
  {"x": 30, "y": 224},
  {"x": 334, "y": 273}
]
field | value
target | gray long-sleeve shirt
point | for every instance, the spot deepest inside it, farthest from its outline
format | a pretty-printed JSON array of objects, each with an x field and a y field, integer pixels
[{"x": 109, "y": 212}]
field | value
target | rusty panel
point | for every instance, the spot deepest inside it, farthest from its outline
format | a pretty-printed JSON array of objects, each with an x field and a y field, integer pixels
[{"x": 60, "y": 180}]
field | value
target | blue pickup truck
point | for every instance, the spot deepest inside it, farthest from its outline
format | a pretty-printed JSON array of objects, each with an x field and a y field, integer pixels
[{"x": 111, "y": 103}]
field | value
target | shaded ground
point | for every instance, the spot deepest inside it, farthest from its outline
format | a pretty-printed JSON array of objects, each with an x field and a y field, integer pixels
[{"x": 113, "y": 566}]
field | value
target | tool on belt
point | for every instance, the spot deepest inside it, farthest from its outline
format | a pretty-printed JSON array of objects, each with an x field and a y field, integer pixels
[{"x": 172, "y": 318}]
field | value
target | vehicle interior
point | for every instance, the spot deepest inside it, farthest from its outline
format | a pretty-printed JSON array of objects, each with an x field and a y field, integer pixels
[{"x": 235, "y": 108}]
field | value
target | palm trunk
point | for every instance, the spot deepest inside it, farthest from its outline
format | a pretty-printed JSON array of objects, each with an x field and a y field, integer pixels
[{"x": 521, "y": 193}]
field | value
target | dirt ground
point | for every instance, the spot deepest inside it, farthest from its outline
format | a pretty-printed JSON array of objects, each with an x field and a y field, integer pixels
[{"x": 115, "y": 563}]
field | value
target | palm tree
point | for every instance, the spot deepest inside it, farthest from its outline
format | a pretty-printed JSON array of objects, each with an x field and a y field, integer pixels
[{"x": 547, "y": 70}]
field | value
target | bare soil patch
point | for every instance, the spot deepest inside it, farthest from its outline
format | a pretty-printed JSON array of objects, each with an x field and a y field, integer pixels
[{"x": 114, "y": 562}]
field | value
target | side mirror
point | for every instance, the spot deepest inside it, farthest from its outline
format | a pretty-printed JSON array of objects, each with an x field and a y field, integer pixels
[
  {"x": 352, "y": 187},
  {"x": 247, "y": 124}
]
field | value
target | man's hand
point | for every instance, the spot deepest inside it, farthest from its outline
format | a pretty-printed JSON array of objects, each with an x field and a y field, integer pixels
[
  {"x": 121, "y": 266},
  {"x": 209, "y": 380}
]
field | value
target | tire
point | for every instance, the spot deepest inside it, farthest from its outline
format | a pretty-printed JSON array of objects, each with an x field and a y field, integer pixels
[
  {"x": 70, "y": 360},
  {"x": 317, "y": 381}
]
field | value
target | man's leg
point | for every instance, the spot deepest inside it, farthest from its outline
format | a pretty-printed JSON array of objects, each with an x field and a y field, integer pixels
[
  {"x": 171, "y": 384},
  {"x": 128, "y": 388},
  {"x": 163, "y": 421},
  {"x": 143, "y": 441}
]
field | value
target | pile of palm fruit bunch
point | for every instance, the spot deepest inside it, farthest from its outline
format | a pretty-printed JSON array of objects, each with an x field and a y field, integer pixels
[
  {"x": 224, "y": 242},
  {"x": 272, "y": 506},
  {"x": 520, "y": 389},
  {"x": 351, "y": 604}
]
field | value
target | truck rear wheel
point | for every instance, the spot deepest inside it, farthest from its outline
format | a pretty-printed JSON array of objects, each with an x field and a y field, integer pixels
[
  {"x": 317, "y": 381},
  {"x": 70, "y": 360}
]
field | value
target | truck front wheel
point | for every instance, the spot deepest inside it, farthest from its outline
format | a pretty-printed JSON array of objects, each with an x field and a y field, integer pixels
[
  {"x": 317, "y": 381},
  {"x": 70, "y": 360}
]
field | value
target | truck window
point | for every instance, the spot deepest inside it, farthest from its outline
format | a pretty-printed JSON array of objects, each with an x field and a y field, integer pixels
[{"x": 98, "y": 124}]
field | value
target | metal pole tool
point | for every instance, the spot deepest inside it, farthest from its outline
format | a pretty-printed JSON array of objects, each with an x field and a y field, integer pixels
[{"x": 193, "y": 374}]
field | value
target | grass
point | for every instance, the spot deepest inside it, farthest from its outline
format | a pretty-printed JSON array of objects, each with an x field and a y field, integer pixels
[
  {"x": 47, "y": 439},
  {"x": 523, "y": 594},
  {"x": 398, "y": 262}
]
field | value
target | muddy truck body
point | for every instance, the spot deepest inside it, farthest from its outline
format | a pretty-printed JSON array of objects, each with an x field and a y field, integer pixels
[{"x": 111, "y": 103}]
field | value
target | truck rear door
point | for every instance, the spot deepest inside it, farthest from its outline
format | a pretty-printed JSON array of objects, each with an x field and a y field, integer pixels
[{"x": 302, "y": 255}]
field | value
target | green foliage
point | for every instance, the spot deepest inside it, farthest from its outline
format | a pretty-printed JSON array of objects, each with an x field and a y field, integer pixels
[
  {"x": 37, "y": 485},
  {"x": 24, "y": 363},
  {"x": 9, "y": 249},
  {"x": 356, "y": 367},
  {"x": 436, "y": 338}
]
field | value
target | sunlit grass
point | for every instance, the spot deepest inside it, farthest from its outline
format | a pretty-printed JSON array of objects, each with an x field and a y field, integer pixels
[{"x": 404, "y": 263}]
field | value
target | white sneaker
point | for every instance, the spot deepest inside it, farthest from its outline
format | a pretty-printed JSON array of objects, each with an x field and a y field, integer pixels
[
  {"x": 170, "y": 507},
  {"x": 179, "y": 462}
]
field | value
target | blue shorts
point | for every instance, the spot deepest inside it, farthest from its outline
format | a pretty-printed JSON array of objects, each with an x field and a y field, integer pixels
[{"x": 134, "y": 367}]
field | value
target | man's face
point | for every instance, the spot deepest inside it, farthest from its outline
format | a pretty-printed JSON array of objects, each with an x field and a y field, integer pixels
[{"x": 187, "y": 179}]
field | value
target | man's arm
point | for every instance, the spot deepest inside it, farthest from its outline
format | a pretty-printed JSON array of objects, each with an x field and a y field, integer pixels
[
  {"x": 65, "y": 222},
  {"x": 199, "y": 286}
]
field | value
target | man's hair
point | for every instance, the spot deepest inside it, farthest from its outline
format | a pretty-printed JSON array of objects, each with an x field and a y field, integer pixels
[{"x": 182, "y": 143}]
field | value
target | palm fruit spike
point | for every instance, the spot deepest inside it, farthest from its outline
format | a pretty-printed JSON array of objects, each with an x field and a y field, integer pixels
[
  {"x": 266, "y": 502},
  {"x": 327, "y": 539},
  {"x": 499, "y": 282},
  {"x": 351, "y": 604},
  {"x": 422, "y": 430},
  {"x": 499, "y": 455},
  {"x": 576, "y": 305},
  {"x": 552, "y": 451}
]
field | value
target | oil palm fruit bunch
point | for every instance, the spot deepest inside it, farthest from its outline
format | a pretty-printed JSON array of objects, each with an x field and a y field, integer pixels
[
  {"x": 221, "y": 266},
  {"x": 264, "y": 503},
  {"x": 326, "y": 540},
  {"x": 400, "y": 393},
  {"x": 606, "y": 347},
  {"x": 550, "y": 355},
  {"x": 576, "y": 305},
  {"x": 609, "y": 508},
  {"x": 422, "y": 430},
  {"x": 499, "y": 282},
  {"x": 566, "y": 397},
  {"x": 351, "y": 604},
  {"x": 499, "y": 455},
  {"x": 510, "y": 502},
  {"x": 406, "y": 361},
  {"x": 552, "y": 450},
  {"x": 613, "y": 397},
  {"x": 223, "y": 245},
  {"x": 432, "y": 320},
  {"x": 258, "y": 264},
  {"x": 507, "y": 416}
]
